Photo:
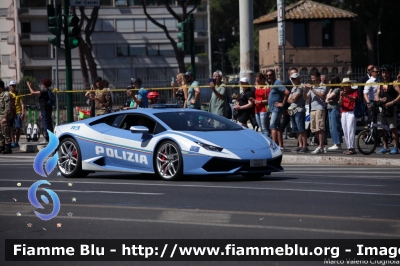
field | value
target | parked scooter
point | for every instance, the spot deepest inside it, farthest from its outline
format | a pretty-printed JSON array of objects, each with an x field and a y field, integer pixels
[{"x": 32, "y": 131}]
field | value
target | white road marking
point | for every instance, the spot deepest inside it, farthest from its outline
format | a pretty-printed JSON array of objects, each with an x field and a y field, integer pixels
[
  {"x": 218, "y": 187},
  {"x": 291, "y": 228},
  {"x": 339, "y": 184},
  {"x": 391, "y": 205},
  {"x": 85, "y": 191}
]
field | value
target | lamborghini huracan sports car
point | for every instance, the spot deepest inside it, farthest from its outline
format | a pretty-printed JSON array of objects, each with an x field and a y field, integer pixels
[{"x": 170, "y": 142}]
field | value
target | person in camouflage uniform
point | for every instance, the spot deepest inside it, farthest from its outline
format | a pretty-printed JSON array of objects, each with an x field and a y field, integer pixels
[{"x": 5, "y": 116}]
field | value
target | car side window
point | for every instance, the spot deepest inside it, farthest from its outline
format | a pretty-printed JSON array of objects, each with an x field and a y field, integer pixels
[
  {"x": 158, "y": 129},
  {"x": 138, "y": 120},
  {"x": 115, "y": 121}
]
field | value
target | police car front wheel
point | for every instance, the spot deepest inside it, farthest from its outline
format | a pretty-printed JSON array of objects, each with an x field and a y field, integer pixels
[{"x": 69, "y": 159}]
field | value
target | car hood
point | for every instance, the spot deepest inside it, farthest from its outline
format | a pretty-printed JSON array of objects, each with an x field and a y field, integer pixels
[{"x": 233, "y": 140}]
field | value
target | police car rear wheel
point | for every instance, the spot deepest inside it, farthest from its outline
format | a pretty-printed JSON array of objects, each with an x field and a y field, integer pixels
[
  {"x": 168, "y": 161},
  {"x": 69, "y": 159}
]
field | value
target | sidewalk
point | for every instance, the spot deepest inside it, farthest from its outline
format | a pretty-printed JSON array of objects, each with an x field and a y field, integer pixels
[
  {"x": 335, "y": 157},
  {"x": 290, "y": 156}
]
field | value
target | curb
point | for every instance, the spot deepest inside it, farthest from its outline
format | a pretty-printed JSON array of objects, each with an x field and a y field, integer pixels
[
  {"x": 338, "y": 160},
  {"x": 290, "y": 159},
  {"x": 29, "y": 148}
]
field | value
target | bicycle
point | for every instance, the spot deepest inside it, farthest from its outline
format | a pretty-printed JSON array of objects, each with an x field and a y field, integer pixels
[{"x": 369, "y": 138}]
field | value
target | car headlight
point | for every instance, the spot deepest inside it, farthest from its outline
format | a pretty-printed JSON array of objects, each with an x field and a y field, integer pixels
[
  {"x": 209, "y": 147},
  {"x": 272, "y": 144}
]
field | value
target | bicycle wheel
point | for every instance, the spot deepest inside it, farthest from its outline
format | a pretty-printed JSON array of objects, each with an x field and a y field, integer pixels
[{"x": 366, "y": 142}]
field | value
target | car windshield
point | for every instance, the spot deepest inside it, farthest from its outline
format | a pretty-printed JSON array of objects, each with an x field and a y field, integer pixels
[{"x": 197, "y": 121}]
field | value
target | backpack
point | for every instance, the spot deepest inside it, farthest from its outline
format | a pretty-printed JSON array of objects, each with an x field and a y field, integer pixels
[
  {"x": 52, "y": 99},
  {"x": 229, "y": 114},
  {"x": 359, "y": 109}
]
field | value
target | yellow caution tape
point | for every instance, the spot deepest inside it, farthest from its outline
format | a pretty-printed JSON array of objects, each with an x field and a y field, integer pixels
[{"x": 57, "y": 91}]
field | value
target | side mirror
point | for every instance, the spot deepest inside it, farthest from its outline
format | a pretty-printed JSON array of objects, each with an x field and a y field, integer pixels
[{"x": 139, "y": 129}]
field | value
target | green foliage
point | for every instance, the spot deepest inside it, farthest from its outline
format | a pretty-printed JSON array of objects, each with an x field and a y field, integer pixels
[
  {"x": 24, "y": 79},
  {"x": 225, "y": 15}
]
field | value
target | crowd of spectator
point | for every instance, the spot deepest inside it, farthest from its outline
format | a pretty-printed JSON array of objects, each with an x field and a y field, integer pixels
[{"x": 270, "y": 105}]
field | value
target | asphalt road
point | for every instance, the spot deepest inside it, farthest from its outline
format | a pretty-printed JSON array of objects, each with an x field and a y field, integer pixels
[{"x": 304, "y": 202}]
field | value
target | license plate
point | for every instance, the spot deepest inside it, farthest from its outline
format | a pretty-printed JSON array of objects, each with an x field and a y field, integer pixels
[{"x": 258, "y": 162}]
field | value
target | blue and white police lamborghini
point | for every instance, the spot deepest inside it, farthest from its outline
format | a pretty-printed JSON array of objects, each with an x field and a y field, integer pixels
[{"x": 170, "y": 142}]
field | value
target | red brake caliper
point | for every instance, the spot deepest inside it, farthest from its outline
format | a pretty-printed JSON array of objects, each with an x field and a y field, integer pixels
[
  {"x": 75, "y": 154},
  {"x": 164, "y": 158}
]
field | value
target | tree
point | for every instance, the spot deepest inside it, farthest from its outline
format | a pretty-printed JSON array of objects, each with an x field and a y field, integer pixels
[
  {"x": 85, "y": 47},
  {"x": 184, "y": 4},
  {"x": 368, "y": 18}
]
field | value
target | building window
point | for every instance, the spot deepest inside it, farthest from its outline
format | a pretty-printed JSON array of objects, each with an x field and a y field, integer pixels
[
  {"x": 154, "y": 27},
  {"x": 107, "y": 25},
  {"x": 106, "y": 2},
  {"x": 33, "y": 3},
  {"x": 200, "y": 48},
  {"x": 120, "y": 2},
  {"x": 140, "y": 24},
  {"x": 3, "y": 12},
  {"x": 324, "y": 71},
  {"x": 137, "y": 49},
  {"x": 304, "y": 72},
  {"x": 38, "y": 26},
  {"x": 335, "y": 71},
  {"x": 25, "y": 27},
  {"x": 124, "y": 25},
  {"x": 122, "y": 50},
  {"x": 327, "y": 32},
  {"x": 166, "y": 49},
  {"x": 5, "y": 59},
  {"x": 134, "y": 2},
  {"x": 4, "y": 36},
  {"x": 152, "y": 49},
  {"x": 131, "y": 50},
  {"x": 300, "y": 34},
  {"x": 105, "y": 50},
  {"x": 170, "y": 23}
]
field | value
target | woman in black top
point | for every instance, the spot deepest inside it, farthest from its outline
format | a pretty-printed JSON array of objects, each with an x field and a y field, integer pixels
[
  {"x": 45, "y": 109},
  {"x": 181, "y": 94},
  {"x": 244, "y": 105}
]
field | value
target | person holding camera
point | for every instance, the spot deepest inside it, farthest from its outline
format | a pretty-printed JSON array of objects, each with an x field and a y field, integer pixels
[
  {"x": 141, "y": 97},
  {"x": 333, "y": 108},
  {"x": 347, "y": 101},
  {"x": 103, "y": 100},
  {"x": 181, "y": 93},
  {"x": 316, "y": 92},
  {"x": 297, "y": 112},
  {"x": 91, "y": 94},
  {"x": 218, "y": 101},
  {"x": 388, "y": 96}
]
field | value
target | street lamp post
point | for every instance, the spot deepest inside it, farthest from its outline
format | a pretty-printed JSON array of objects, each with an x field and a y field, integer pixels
[
  {"x": 131, "y": 62},
  {"x": 377, "y": 42},
  {"x": 222, "y": 60},
  {"x": 221, "y": 48}
]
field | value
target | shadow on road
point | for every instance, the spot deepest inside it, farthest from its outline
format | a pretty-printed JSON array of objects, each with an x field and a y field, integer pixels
[{"x": 208, "y": 178}]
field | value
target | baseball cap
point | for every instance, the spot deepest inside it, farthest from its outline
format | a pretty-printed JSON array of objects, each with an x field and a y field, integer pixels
[
  {"x": 294, "y": 75},
  {"x": 244, "y": 79},
  {"x": 188, "y": 73},
  {"x": 13, "y": 82}
]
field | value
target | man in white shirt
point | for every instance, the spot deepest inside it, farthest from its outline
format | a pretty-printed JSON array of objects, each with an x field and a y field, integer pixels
[{"x": 370, "y": 90}]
